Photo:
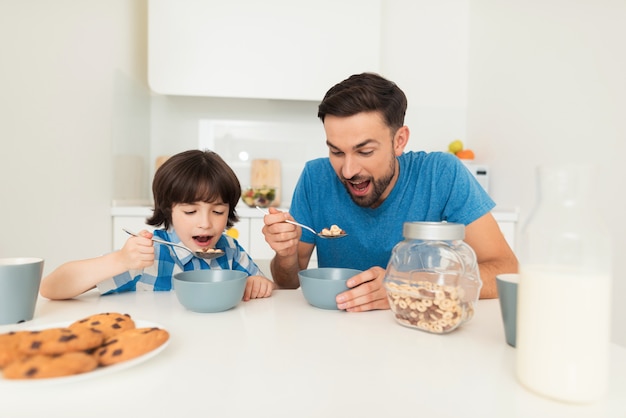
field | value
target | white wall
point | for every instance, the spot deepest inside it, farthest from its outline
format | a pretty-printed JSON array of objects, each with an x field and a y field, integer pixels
[
  {"x": 60, "y": 63},
  {"x": 425, "y": 51},
  {"x": 528, "y": 81},
  {"x": 548, "y": 84}
]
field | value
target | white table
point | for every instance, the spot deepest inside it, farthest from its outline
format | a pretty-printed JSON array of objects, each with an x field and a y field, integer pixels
[{"x": 280, "y": 357}]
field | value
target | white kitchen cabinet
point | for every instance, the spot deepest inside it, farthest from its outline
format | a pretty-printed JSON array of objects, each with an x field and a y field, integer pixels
[
  {"x": 257, "y": 246},
  {"x": 274, "y": 49},
  {"x": 243, "y": 229},
  {"x": 132, "y": 222},
  {"x": 251, "y": 223}
]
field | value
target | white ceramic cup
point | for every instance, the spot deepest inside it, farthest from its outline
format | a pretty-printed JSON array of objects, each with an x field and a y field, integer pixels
[
  {"x": 20, "y": 278},
  {"x": 507, "y": 292}
]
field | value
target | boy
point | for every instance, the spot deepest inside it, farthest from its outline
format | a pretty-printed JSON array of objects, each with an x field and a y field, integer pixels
[{"x": 195, "y": 195}]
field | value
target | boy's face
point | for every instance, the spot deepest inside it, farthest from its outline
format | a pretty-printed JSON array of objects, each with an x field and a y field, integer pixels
[
  {"x": 363, "y": 151},
  {"x": 199, "y": 225}
]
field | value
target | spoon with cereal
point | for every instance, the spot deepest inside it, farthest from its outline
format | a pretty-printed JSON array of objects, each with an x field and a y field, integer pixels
[
  {"x": 328, "y": 233},
  {"x": 206, "y": 253}
]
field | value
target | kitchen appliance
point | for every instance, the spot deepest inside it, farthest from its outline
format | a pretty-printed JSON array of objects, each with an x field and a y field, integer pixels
[{"x": 480, "y": 172}]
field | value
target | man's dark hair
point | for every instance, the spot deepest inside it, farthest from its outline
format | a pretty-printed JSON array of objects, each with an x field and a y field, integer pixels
[{"x": 366, "y": 92}]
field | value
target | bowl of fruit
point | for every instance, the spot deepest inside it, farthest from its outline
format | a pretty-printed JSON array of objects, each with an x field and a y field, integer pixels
[{"x": 262, "y": 196}]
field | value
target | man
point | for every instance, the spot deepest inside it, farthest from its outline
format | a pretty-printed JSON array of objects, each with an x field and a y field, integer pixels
[{"x": 369, "y": 187}]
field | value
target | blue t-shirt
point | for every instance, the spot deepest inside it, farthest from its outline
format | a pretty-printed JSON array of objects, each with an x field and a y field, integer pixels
[
  {"x": 431, "y": 187},
  {"x": 170, "y": 260}
]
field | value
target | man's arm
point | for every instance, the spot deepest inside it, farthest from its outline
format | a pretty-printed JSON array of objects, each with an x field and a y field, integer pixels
[
  {"x": 285, "y": 269},
  {"x": 492, "y": 251}
]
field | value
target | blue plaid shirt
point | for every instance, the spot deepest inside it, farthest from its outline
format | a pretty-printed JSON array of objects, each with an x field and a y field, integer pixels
[{"x": 170, "y": 260}]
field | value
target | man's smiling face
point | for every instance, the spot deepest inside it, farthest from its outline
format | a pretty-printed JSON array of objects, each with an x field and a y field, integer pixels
[{"x": 363, "y": 151}]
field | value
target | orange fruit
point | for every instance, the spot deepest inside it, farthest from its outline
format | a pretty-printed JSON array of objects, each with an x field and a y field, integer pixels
[{"x": 466, "y": 154}]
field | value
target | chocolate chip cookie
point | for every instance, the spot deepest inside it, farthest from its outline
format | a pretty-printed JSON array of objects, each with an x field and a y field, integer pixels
[
  {"x": 59, "y": 340},
  {"x": 130, "y": 344},
  {"x": 109, "y": 323},
  {"x": 44, "y": 366},
  {"x": 9, "y": 347}
]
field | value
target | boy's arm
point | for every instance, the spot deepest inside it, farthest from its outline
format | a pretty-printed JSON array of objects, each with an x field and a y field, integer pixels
[{"x": 76, "y": 277}]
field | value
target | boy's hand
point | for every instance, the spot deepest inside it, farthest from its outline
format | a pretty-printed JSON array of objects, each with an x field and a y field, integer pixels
[
  {"x": 258, "y": 287},
  {"x": 138, "y": 252}
]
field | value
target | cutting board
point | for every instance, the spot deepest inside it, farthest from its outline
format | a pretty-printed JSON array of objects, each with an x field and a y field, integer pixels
[{"x": 266, "y": 173}]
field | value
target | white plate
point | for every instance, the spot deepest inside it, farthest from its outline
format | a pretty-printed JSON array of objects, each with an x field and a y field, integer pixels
[{"x": 139, "y": 323}]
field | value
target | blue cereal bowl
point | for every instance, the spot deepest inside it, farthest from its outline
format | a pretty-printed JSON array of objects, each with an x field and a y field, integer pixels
[
  {"x": 320, "y": 286},
  {"x": 210, "y": 290}
]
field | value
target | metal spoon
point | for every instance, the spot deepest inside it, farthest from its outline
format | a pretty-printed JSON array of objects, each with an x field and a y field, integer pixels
[
  {"x": 319, "y": 234},
  {"x": 199, "y": 254}
]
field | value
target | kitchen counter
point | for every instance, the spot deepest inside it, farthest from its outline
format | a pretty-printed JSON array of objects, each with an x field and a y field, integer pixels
[
  {"x": 251, "y": 222},
  {"x": 280, "y": 357}
]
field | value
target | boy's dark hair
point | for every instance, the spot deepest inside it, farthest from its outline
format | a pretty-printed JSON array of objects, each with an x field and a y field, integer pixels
[
  {"x": 366, "y": 92},
  {"x": 193, "y": 176}
]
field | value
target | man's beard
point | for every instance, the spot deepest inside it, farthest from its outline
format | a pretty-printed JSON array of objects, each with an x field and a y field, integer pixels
[{"x": 378, "y": 187}]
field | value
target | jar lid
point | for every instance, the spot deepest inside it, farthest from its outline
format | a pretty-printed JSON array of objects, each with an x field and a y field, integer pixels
[{"x": 440, "y": 231}]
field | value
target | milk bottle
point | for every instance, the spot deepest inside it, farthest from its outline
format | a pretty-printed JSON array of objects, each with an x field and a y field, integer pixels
[{"x": 563, "y": 318}]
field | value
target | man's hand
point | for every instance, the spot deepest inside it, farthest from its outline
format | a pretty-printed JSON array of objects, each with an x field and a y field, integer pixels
[
  {"x": 366, "y": 292},
  {"x": 284, "y": 239},
  {"x": 280, "y": 235}
]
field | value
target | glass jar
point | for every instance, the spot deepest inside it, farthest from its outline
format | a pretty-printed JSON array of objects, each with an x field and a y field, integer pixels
[
  {"x": 432, "y": 278},
  {"x": 563, "y": 317}
]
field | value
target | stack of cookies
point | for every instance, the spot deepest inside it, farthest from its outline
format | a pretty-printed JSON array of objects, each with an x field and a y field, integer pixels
[{"x": 96, "y": 341}]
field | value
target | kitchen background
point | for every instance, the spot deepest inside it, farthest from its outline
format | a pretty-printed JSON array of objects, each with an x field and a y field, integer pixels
[{"x": 520, "y": 82}]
